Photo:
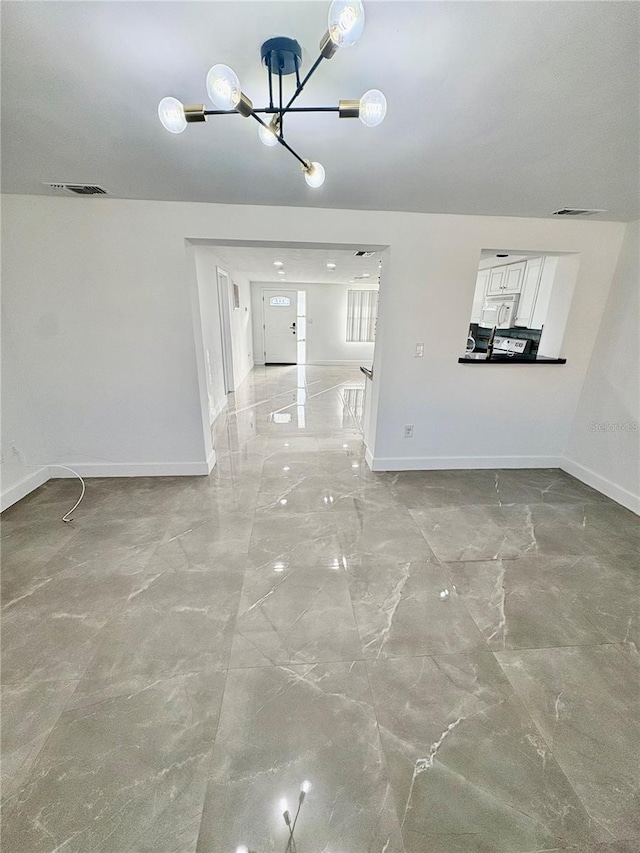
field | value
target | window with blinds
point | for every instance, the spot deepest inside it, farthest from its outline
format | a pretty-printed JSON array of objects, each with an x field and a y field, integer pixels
[{"x": 362, "y": 313}]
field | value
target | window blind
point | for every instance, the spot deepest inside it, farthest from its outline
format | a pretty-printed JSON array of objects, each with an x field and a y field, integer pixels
[{"x": 362, "y": 313}]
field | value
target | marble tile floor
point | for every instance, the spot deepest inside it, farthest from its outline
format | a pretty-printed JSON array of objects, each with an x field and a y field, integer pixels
[{"x": 450, "y": 657}]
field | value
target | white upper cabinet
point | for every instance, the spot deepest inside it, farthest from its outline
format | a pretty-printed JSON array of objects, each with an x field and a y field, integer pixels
[
  {"x": 478, "y": 297},
  {"x": 529, "y": 292},
  {"x": 496, "y": 281},
  {"x": 506, "y": 279},
  {"x": 514, "y": 276}
]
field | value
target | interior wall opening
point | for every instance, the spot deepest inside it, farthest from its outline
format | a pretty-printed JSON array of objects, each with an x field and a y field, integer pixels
[{"x": 521, "y": 303}]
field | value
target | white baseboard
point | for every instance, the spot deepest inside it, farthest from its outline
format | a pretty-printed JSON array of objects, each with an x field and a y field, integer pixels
[
  {"x": 218, "y": 410},
  {"x": 211, "y": 461},
  {"x": 602, "y": 484},
  {"x": 133, "y": 469},
  {"x": 20, "y": 490},
  {"x": 448, "y": 463},
  {"x": 341, "y": 363},
  {"x": 315, "y": 363},
  {"x": 368, "y": 458}
]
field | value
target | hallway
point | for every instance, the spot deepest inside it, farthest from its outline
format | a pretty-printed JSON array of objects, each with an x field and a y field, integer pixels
[{"x": 449, "y": 657}]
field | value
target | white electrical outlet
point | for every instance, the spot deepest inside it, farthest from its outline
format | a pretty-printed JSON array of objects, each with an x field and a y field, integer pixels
[
  {"x": 408, "y": 431},
  {"x": 419, "y": 351}
]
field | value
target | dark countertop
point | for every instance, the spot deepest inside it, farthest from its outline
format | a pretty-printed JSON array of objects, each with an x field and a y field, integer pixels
[{"x": 481, "y": 358}]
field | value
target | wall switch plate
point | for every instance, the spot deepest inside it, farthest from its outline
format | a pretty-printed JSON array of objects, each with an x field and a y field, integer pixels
[
  {"x": 408, "y": 431},
  {"x": 419, "y": 351}
]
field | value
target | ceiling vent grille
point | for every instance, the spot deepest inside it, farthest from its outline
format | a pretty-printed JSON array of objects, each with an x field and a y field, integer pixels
[
  {"x": 577, "y": 211},
  {"x": 79, "y": 189},
  {"x": 364, "y": 254}
]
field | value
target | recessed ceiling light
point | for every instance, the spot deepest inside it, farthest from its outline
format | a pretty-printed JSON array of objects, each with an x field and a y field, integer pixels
[
  {"x": 331, "y": 265},
  {"x": 281, "y": 272},
  {"x": 278, "y": 263},
  {"x": 366, "y": 275}
]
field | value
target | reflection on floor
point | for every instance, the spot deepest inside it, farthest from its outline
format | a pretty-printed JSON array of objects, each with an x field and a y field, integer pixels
[{"x": 448, "y": 657}]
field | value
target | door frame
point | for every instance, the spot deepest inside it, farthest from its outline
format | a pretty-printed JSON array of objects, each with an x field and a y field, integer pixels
[
  {"x": 224, "y": 307},
  {"x": 274, "y": 289}
]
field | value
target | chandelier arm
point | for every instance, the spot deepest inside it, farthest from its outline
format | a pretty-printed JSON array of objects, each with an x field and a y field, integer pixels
[
  {"x": 304, "y": 163},
  {"x": 301, "y": 86},
  {"x": 270, "y": 88},
  {"x": 274, "y": 110}
]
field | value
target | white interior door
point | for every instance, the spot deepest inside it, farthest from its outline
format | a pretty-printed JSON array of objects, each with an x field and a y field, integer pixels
[{"x": 280, "y": 311}]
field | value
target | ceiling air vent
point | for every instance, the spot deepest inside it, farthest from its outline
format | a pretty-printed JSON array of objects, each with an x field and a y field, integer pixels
[
  {"x": 577, "y": 211},
  {"x": 363, "y": 254},
  {"x": 79, "y": 189}
]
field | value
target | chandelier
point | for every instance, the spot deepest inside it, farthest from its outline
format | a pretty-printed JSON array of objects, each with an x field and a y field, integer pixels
[{"x": 282, "y": 57}]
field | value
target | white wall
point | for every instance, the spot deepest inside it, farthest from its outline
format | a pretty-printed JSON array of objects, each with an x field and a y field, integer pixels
[
  {"x": 21, "y": 437},
  {"x": 99, "y": 303},
  {"x": 601, "y": 450},
  {"x": 326, "y": 323},
  {"x": 100, "y": 298}
]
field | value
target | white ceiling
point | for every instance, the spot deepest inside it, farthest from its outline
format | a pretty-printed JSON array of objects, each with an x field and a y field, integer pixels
[
  {"x": 494, "y": 107},
  {"x": 300, "y": 265}
]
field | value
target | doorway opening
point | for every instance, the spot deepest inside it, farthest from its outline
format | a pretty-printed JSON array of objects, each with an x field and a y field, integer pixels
[{"x": 286, "y": 305}]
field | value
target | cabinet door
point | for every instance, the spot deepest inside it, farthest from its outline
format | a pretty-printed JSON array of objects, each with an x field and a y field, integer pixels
[
  {"x": 527, "y": 301},
  {"x": 496, "y": 281},
  {"x": 514, "y": 277},
  {"x": 478, "y": 296}
]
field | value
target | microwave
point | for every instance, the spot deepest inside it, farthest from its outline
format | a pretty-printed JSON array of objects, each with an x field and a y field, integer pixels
[{"x": 499, "y": 311}]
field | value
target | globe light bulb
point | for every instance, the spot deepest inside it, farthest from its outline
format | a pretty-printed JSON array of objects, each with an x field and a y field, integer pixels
[
  {"x": 171, "y": 114},
  {"x": 315, "y": 175},
  {"x": 242, "y": 849},
  {"x": 346, "y": 22},
  {"x": 373, "y": 108},
  {"x": 267, "y": 136},
  {"x": 306, "y": 786},
  {"x": 223, "y": 87}
]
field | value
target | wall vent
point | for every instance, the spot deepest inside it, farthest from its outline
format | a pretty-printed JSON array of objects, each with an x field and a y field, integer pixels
[
  {"x": 577, "y": 211},
  {"x": 364, "y": 254},
  {"x": 78, "y": 189}
]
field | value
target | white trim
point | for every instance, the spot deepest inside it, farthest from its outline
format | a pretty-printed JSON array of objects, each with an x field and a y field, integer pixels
[
  {"x": 218, "y": 410},
  {"x": 448, "y": 463},
  {"x": 368, "y": 458},
  {"x": 20, "y": 490},
  {"x": 617, "y": 493},
  {"x": 136, "y": 469},
  {"x": 224, "y": 306},
  {"x": 211, "y": 461}
]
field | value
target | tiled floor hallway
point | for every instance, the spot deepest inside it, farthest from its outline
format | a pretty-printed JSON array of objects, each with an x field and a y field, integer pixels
[{"x": 448, "y": 657}]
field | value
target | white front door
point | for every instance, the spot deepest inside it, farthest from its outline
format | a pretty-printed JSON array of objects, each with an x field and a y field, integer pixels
[{"x": 280, "y": 311}]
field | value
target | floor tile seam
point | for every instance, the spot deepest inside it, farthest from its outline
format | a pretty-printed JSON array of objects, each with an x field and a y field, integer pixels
[
  {"x": 150, "y": 681},
  {"x": 210, "y": 758},
  {"x": 289, "y": 664},
  {"x": 556, "y": 755},
  {"x": 380, "y": 739},
  {"x": 564, "y": 595},
  {"x": 506, "y": 593},
  {"x": 66, "y": 707}
]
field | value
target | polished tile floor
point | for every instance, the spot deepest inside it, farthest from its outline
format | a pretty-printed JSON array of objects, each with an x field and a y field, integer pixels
[{"x": 449, "y": 657}]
